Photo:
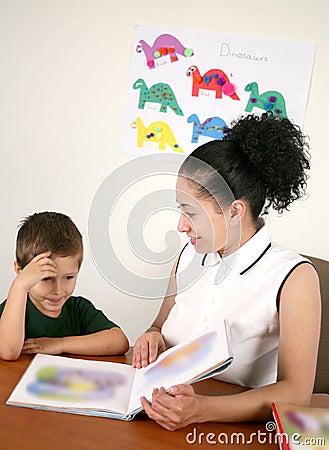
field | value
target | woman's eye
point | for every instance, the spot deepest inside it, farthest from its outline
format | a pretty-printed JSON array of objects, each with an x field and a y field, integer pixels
[{"x": 186, "y": 213}]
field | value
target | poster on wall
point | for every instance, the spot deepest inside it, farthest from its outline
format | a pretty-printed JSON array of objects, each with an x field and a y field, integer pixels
[{"x": 185, "y": 87}]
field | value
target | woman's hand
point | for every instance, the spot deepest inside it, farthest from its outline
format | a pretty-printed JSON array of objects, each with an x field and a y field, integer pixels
[
  {"x": 175, "y": 410},
  {"x": 147, "y": 348}
]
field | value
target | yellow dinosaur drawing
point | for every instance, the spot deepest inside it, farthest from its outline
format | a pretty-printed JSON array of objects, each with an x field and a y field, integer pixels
[{"x": 156, "y": 132}]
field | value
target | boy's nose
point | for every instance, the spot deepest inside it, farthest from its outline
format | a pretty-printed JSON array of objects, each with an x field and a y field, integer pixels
[{"x": 57, "y": 287}]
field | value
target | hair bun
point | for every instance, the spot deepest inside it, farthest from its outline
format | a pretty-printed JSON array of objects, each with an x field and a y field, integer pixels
[{"x": 274, "y": 151}]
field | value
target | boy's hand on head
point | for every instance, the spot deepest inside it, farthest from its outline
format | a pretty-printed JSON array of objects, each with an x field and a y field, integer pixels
[
  {"x": 41, "y": 266},
  {"x": 50, "y": 346}
]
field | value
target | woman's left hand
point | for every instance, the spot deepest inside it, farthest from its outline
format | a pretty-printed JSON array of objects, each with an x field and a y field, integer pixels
[{"x": 174, "y": 410}]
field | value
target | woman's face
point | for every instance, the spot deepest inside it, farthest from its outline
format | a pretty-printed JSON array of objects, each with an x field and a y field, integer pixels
[{"x": 201, "y": 219}]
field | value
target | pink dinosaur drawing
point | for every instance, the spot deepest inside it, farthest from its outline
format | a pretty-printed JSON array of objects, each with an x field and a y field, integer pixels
[
  {"x": 213, "y": 80},
  {"x": 165, "y": 44}
]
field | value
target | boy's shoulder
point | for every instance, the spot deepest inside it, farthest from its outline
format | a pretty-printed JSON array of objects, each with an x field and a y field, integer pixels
[
  {"x": 78, "y": 299},
  {"x": 78, "y": 302}
]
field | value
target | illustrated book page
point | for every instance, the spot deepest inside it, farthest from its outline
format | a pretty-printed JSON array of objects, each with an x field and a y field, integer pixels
[{"x": 109, "y": 389}]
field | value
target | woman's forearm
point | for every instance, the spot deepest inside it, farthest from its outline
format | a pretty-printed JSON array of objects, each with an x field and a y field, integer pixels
[{"x": 251, "y": 405}]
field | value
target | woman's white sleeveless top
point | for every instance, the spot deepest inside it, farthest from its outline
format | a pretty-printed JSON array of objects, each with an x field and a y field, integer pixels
[{"x": 243, "y": 288}]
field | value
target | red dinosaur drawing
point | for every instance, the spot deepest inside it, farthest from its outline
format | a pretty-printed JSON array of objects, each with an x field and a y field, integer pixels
[{"x": 213, "y": 80}]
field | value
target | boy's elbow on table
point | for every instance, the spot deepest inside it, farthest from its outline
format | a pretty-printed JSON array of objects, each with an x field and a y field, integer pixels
[
  {"x": 8, "y": 355},
  {"x": 118, "y": 343}
]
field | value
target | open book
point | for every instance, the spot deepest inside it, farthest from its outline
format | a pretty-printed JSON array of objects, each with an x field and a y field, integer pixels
[
  {"x": 301, "y": 427},
  {"x": 108, "y": 389}
]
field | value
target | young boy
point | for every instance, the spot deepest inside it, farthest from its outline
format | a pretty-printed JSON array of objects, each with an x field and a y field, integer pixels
[{"x": 40, "y": 314}]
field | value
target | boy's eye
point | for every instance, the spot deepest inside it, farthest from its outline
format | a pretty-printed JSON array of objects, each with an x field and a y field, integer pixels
[
  {"x": 69, "y": 277},
  {"x": 46, "y": 279}
]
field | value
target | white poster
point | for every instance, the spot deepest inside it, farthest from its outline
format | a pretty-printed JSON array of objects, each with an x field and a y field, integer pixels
[{"x": 185, "y": 86}]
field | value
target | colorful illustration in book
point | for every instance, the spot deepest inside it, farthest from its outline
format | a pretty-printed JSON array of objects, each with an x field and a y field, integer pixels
[
  {"x": 269, "y": 100},
  {"x": 156, "y": 132},
  {"x": 213, "y": 127},
  {"x": 182, "y": 358},
  {"x": 74, "y": 384},
  {"x": 165, "y": 44},
  {"x": 158, "y": 93},
  {"x": 213, "y": 80}
]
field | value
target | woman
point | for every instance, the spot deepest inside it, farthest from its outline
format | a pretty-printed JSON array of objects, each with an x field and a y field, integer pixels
[{"x": 270, "y": 295}]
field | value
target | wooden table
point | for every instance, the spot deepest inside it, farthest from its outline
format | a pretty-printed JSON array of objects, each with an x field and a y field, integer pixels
[{"x": 30, "y": 429}]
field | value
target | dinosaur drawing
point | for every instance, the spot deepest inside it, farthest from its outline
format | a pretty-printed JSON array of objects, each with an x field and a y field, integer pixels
[
  {"x": 165, "y": 44},
  {"x": 213, "y": 80},
  {"x": 158, "y": 93},
  {"x": 213, "y": 127},
  {"x": 156, "y": 132},
  {"x": 269, "y": 100}
]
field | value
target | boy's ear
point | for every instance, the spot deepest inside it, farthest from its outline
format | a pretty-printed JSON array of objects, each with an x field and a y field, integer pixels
[{"x": 17, "y": 267}]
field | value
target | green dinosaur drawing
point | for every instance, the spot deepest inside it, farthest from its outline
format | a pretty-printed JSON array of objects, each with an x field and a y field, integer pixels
[
  {"x": 269, "y": 100},
  {"x": 158, "y": 93}
]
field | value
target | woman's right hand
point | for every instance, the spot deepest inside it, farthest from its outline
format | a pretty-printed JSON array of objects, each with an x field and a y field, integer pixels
[{"x": 147, "y": 348}]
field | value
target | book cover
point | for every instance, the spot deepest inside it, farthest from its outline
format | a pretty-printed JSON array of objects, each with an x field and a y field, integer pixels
[
  {"x": 301, "y": 427},
  {"x": 108, "y": 389}
]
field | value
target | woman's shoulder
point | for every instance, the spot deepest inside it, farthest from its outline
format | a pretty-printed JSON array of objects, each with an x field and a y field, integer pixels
[
  {"x": 289, "y": 265},
  {"x": 280, "y": 253}
]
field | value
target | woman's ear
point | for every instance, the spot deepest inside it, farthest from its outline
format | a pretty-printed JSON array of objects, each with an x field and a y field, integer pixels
[
  {"x": 17, "y": 267},
  {"x": 237, "y": 211}
]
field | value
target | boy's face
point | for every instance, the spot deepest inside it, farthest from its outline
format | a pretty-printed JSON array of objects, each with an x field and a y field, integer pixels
[{"x": 50, "y": 294}]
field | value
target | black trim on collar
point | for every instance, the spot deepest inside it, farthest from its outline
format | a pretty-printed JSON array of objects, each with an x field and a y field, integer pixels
[
  {"x": 256, "y": 261},
  {"x": 204, "y": 259},
  {"x": 285, "y": 279},
  {"x": 179, "y": 258}
]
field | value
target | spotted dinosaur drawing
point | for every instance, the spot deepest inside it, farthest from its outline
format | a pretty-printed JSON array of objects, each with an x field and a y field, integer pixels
[
  {"x": 213, "y": 80},
  {"x": 213, "y": 127},
  {"x": 269, "y": 100},
  {"x": 156, "y": 132},
  {"x": 165, "y": 44},
  {"x": 158, "y": 93}
]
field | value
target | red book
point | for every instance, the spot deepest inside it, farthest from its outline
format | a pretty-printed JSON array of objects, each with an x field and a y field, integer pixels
[{"x": 301, "y": 427}]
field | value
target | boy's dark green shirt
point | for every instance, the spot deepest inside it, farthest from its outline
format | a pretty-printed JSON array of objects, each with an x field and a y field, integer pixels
[{"x": 78, "y": 317}]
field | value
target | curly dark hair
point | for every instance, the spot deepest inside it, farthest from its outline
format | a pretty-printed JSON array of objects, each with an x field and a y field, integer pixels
[{"x": 262, "y": 158}]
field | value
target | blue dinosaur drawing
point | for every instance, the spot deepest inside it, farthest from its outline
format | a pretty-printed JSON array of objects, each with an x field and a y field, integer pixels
[{"x": 213, "y": 127}]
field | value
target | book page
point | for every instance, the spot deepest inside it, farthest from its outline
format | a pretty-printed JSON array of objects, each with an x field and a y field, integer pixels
[
  {"x": 74, "y": 384},
  {"x": 182, "y": 363}
]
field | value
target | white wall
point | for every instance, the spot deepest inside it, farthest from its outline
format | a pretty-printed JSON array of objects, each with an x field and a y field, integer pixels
[{"x": 64, "y": 68}]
